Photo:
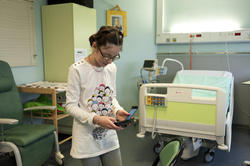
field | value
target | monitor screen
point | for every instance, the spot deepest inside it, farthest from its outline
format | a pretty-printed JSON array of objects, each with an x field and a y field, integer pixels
[{"x": 148, "y": 64}]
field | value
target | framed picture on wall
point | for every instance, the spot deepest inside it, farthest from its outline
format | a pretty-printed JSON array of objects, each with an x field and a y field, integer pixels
[{"x": 117, "y": 18}]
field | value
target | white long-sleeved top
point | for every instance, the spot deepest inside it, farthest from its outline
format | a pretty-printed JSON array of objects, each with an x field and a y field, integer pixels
[{"x": 91, "y": 91}]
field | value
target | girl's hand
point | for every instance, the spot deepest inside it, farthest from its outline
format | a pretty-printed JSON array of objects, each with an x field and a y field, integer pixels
[
  {"x": 121, "y": 115},
  {"x": 106, "y": 122}
]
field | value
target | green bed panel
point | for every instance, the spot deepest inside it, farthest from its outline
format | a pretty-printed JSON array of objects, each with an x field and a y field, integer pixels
[{"x": 184, "y": 112}]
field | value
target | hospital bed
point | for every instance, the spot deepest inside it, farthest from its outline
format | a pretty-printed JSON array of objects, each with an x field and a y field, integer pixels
[{"x": 198, "y": 104}]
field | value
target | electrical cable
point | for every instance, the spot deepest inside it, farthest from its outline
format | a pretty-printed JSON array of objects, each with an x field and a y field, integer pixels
[
  {"x": 190, "y": 52},
  {"x": 141, "y": 73},
  {"x": 153, "y": 134},
  {"x": 227, "y": 56}
]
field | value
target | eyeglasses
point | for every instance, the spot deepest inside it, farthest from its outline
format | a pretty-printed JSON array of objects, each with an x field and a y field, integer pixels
[{"x": 107, "y": 58}]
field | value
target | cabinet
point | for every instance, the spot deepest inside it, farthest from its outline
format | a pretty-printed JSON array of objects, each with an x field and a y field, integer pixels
[{"x": 65, "y": 27}]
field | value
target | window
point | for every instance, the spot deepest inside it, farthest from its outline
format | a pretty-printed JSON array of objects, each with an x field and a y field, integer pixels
[{"x": 17, "y": 41}]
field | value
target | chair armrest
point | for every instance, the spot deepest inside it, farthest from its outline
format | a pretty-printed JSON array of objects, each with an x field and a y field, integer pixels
[
  {"x": 8, "y": 121},
  {"x": 41, "y": 108}
]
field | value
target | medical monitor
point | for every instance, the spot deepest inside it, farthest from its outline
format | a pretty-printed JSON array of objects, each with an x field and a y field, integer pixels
[{"x": 150, "y": 65}]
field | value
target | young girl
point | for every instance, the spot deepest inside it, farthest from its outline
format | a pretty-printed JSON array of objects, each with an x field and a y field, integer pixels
[{"x": 91, "y": 100}]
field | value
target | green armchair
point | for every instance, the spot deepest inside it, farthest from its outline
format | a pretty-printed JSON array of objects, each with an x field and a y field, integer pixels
[{"x": 32, "y": 144}]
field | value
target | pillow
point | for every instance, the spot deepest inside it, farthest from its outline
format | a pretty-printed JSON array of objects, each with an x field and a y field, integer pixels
[{"x": 5, "y": 84}]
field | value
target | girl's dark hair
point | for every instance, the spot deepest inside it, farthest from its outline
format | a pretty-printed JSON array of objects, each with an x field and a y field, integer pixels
[{"x": 107, "y": 34}]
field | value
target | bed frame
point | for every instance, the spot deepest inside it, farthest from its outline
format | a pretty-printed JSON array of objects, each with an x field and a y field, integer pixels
[{"x": 179, "y": 113}]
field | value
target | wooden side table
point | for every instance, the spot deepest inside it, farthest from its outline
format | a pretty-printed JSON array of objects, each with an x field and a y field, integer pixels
[{"x": 50, "y": 88}]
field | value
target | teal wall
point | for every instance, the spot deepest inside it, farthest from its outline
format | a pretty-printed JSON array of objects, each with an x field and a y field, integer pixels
[{"x": 139, "y": 44}]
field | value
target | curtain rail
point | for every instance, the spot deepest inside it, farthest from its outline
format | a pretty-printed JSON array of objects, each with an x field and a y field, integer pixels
[{"x": 204, "y": 53}]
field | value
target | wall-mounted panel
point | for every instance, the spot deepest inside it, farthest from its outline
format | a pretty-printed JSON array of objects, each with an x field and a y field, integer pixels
[{"x": 182, "y": 21}]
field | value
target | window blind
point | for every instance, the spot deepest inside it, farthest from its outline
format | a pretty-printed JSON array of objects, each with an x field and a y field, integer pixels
[{"x": 17, "y": 34}]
